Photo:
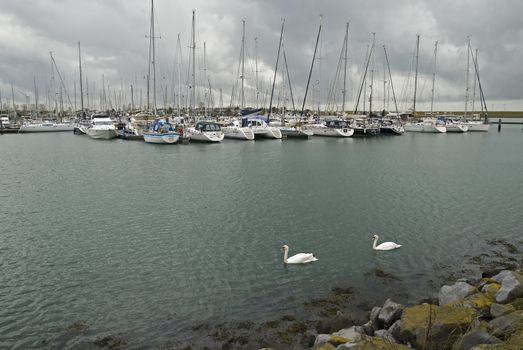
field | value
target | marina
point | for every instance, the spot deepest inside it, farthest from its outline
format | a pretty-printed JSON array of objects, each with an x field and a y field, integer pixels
[{"x": 89, "y": 235}]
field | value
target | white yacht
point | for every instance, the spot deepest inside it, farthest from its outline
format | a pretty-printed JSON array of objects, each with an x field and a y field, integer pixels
[
  {"x": 332, "y": 128},
  {"x": 261, "y": 128},
  {"x": 102, "y": 127},
  {"x": 454, "y": 125},
  {"x": 205, "y": 132},
  {"x": 46, "y": 126},
  {"x": 428, "y": 125},
  {"x": 235, "y": 131}
]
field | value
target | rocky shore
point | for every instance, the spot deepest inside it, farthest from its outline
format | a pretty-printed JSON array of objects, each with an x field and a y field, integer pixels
[{"x": 478, "y": 305}]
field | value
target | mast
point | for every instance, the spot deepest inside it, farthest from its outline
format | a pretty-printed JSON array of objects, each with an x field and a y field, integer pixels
[
  {"x": 13, "y": 100},
  {"x": 467, "y": 78},
  {"x": 344, "y": 91},
  {"x": 390, "y": 78},
  {"x": 204, "y": 79},
  {"x": 193, "y": 77},
  {"x": 81, "y": 84},
  {"x": 276, "y": 70},
  {"x": 433, "y": 77},
  {"x": 53, "y": 85},
  {"x": 256, "y": 71},
  {"x": 36, "y": 97},
  {"x": 179, "y": 49},
  {"x": 474, "y": 86},
  {"x": 242, "y": 77},
  {"x": 416, "y": 77},
  {"x": 371, "y": 74},
  {"x": 153, "y": 57},
  {"x": 312, "y": 66}
]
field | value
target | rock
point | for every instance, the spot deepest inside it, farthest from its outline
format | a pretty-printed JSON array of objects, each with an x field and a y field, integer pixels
[
  {"x": 457, "y": 291},
  {"x": 517, "y": 304},
  {"x": 347, "y": 346},
  {"x": 491, "y": 289},
  {"x": 497, "y": 310},
  {"x": 433, "y": 327},
  {"x": 476, "y": 337},
  {"x": 374, "y": 313},
  {"x": 503, "y": 326},
  {"x": 326, "y": 346},
  {"x": 390, "y": 312},
  {"x": 368, "y": 329},
  {"x": 321, "y": 339},
  {"x": 375, "y": 343},
  {"x": 395, "y": 329},
  {"x": 479, "y": 301},
  {"x": 501, "y": 276},
  {"x": 384, "y": 334},
  {"x": 349, "y": 333},
  {"x": 511, "y": 287}
]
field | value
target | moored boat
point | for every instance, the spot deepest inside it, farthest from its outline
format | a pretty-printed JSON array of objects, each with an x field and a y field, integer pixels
[
  {"x": 205, "y": 131},
  {"x": 332, "y": 128},
  {"x": 235, "y": 131},
  {"x": 428, "y": 125},
  {"x": 46, "y": 126},
  {"x": 102, "y": 127},
  {"x": 162, "y": 132}
]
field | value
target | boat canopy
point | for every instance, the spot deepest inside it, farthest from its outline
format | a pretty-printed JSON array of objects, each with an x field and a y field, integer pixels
[
  {"x": 337, "y": 124},
  {"x": 207, "y": 126},
  {"x": 162, "y": 125}
]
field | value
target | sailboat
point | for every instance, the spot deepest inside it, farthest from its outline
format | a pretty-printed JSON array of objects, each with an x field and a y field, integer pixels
[
  {"x": 161, "y": 131},
  {"x": 235, "y": 129},
  {"x": 474, "y": 124},
  {"x": 428, "y": 125}
]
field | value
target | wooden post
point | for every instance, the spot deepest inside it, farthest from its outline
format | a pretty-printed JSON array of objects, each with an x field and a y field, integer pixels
[{"x": 499, "y": 124}]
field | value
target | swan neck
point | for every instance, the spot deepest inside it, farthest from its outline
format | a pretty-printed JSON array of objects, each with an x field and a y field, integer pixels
[
  {"x": 374, "y": 244},
  {"x": 285, "y": 255}
]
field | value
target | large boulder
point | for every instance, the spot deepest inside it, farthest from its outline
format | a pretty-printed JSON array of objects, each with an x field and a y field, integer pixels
[
  {"x": 497, "y": 310},
  {"x": 511, "y": 286},
  {"x": 476, "y": 337},
  {"x": 457, "y": 291},
  {"x": 502, "y": 327},
  {"x": 479, "y": 301},
  {"x": 374, "y": 313},
  {"x": 352, "y": 334},
  {"x": 390, "y": 313},
  {"x": 433, "y": 327},
  {"x": 374, "y": 343}
]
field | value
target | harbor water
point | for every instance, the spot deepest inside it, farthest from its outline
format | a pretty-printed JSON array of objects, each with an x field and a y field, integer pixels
[{"x": 150, "y": 240}]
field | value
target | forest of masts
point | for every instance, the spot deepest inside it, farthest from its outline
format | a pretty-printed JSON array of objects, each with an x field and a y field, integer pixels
[{"x": 189, "y": 90}]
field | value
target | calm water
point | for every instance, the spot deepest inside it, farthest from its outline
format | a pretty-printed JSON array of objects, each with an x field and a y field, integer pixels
[{"x": 149, "y": 240}]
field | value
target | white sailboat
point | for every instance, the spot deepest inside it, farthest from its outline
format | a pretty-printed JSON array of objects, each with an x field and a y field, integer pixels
[{"x": 428, "y": 125}]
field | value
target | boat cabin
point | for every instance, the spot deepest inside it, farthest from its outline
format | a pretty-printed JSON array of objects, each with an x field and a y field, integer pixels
[
  {"x": 337, "y": 124},
  {"x": 207, "y": 126}
]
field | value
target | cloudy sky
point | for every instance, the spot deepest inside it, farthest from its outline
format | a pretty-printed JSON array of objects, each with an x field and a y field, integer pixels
[{"x": 114, "y": 46}]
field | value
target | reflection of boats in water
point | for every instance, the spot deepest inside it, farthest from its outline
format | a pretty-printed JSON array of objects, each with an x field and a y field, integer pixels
[{"x": 161, "y": 132}]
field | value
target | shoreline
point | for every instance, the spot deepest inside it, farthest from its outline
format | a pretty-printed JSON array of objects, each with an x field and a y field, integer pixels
[{"x": 345, "y": 307}]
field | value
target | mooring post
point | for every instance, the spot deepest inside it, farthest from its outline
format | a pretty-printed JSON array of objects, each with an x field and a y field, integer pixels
[{"x": 499, "y": 124}]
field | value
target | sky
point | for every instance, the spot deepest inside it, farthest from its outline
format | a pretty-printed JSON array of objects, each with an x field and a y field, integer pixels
[{"x": 114, "y": 37}]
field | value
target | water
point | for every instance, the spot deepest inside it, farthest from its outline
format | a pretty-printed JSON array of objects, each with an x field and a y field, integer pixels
[{"x": 149, "y": 240}]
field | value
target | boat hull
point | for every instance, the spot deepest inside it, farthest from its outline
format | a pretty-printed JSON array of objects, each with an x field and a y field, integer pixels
[
  {"x": 477, "y": 126},
  {"x": 459, "y": 128},
  {"x": 161, "y": 138},
  {"x": 46, "y": 128},
  {"x": 101, "y": 134},
  {"x": 332, "y": 132},
  {"x": 207, "y": 136},
  {"x": 238, "y": 133}
]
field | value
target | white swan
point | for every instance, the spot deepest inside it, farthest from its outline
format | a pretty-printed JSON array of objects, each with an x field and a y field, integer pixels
[
  {"x": 385, "y": 245},
  {"x": 300, "y": 258}
]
